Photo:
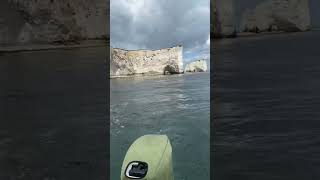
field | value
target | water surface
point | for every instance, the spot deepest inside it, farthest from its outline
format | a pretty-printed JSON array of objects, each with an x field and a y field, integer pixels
[
  {"x": 266, "y": 122},
  {"x": 53, "y": 114},
  {"x": 175, "y": 105}
]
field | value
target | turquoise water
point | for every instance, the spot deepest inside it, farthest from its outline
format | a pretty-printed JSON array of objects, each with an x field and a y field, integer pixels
[{"x": 175, "y": 105}]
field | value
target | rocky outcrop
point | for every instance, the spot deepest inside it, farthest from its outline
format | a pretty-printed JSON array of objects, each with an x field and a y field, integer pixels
[
  {"x": 46, "y": 21},
  {"x": 231, "y": 17},
  {"x": 133, "y": 62},
  {"x": 277, "y": 15},
  {"x": 223, "y": 18},
  {"x": 196, "y": 66}
]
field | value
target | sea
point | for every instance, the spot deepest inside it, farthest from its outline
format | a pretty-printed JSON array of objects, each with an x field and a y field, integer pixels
[
  {"x": 175, "y": 105},
  {"x": 266, "y": 102},
  {"x": 53, "y": 114}
]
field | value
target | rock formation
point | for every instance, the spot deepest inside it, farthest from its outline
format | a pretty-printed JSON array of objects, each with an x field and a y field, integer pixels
[
  {"x": 132, "y": 62},
  {"x": 277, "y": 15},
  {"x": 223, "y": 18},
  {"x": 196, "y": 66},
  {"x": 45, "y": 21},
  {"x": 231, "y": 17}
]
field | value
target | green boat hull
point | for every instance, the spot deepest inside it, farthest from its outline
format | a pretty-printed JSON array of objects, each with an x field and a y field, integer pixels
[{"x": 156, "y": 152}]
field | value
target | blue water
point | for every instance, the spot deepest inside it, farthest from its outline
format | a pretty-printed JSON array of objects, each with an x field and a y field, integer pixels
[{"x": 175, "y": 105}]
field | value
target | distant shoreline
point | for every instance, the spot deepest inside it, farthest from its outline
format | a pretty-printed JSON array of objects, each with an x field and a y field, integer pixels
[
  {"x": 155, "y": 75},
  {"x": 253, "y": 34},
  {"x": 53, "y": 46}
]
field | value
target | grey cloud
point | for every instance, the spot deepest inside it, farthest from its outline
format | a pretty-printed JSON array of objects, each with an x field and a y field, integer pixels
[{"x": 154, "y": 24}]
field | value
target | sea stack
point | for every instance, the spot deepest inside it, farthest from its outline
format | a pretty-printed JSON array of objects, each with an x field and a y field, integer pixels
[
  {"x": 197, "y": 66},
  {"x": 277, "y": 15},
  {"x": 135, "y": 62}
]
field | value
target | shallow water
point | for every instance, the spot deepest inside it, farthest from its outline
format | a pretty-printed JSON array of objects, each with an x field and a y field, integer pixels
[
  {"x": 175, "y": 105},
  {"x": 266, "y": 121}
]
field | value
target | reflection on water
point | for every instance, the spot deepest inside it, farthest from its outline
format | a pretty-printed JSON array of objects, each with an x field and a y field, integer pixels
[{"x": 176, "y": 105}]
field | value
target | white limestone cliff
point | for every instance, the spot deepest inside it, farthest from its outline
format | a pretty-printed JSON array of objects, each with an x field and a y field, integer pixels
[
  {"x": 47, "y": 21},
  {"x": 197, "y": 66},
  {"x": 230, "y": 17},
  {"x": 277, "y": 15},
  {"x": 133, "y": 62},
  {"x": 223, "y": 18}
]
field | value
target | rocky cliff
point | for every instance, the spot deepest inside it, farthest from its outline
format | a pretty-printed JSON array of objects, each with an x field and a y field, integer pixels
[
  {"x": 231, "y": 16},
  {"x": 277, "y": 15},
  {"x": 131, "y": 62},
  {"x": 223, "y": 18},
  {"x": 43, "y": 21},
  {"x": 197, "y": 66}
]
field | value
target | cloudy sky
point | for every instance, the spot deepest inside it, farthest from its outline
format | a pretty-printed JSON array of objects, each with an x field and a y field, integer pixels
[{"x": 156, "y": 24}]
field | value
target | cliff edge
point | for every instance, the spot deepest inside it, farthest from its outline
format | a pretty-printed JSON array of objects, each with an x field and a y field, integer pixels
[
  {"x": 133, "y": 62},
  {"x": 223, "y": 18},
  {"x": 52, "y": 21},
  {"x": 231, "y": 17},
  {"x": 277, "y": 15}
]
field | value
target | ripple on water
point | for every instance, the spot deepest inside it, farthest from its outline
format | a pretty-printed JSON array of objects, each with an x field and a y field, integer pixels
[{"x": 177, "y": 106}]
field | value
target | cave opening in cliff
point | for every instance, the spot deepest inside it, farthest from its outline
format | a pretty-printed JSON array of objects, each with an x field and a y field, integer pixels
[{"x": 169, "y": 70}]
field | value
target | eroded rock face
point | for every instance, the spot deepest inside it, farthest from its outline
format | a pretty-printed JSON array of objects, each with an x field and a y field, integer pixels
[
  {"x": 35, "y": 21},
  {"x": 231, "y": 17},
  {"x": 132, "y": 62},
  {"x": 277, "y": 15},
  {"x": 223, "y": 18},
  {"x": 197, "y": 66}
]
